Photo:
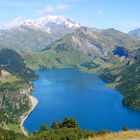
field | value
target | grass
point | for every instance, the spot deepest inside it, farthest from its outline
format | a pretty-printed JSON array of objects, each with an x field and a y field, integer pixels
[
  {"x": 123, "y": 135},
  {"x": 10, "y": 78},
  {"x": 53, "y": 58},
  {"x": 14, "y": 127}
]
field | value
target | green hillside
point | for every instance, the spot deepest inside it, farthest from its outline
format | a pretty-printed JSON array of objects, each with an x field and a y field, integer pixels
[
  {"x": 14, "y": 87},
  {"x": 59, "y": 55},
  {"x": 127, "y": 79}
]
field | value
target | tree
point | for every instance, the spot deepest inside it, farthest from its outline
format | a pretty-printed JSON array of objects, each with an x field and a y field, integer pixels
[
  {"x": 55, "y": 125},
  {"x": 43, "y": 128},
  {"x": 65, "y": 123},
  {"x": 69, "y": 123},
  {"x": 73, "y": 123}
]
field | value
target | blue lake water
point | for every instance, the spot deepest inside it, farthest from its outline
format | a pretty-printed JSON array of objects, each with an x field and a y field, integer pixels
[{"x": 69, "y": 92}]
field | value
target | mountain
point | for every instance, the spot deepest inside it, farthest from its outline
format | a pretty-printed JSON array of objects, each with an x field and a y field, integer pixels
[
  {"x": 135, "y": 32},
  {"x": 56, "y": 42},
  {"x": 99, "y": 43},
  {"x": 35, "y": 35},
  {"x": 40, "y": 34},
  {"x": 126, "y": 80},
  {"x": 82, "y": 45},
  {"x": 49, "y": 23}
]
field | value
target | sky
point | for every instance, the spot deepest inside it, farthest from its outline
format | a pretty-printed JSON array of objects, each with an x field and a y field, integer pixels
[{"x": 123, "y": 15}]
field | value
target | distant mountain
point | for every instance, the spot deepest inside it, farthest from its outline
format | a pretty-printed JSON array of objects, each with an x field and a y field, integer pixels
[
  {"x": 35, "y": 35},
  {"x": 58, "y": 42},
  {"x": 50, "y": 24},
  {"x": 82, "y": 46},
  {"x": 39, "y": 34},
  {"x": 99, "y": 43},
  {"x": 135, "y": 32}
]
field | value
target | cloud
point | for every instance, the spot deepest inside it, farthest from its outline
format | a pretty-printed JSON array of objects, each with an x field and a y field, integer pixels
[
  {"x": 61, "y": 7},
  {"x": 13, "y": 23},
  {"x": 50, "y": 9},
  {"x": 99, "y": 12}
]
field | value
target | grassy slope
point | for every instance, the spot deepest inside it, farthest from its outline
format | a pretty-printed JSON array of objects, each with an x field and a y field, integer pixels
[
  {"x": 124, "y": 135},
  {"x": 58, "y": 56},
  {"x": 14, "y": 127},
  {"x": 14, "y": 79},
  {"x": 13, "y": 85},
  {"x": 71, "y": 134}
]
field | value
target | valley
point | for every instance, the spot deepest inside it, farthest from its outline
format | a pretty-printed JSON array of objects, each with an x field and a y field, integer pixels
[{"x": 54, "y": 42}]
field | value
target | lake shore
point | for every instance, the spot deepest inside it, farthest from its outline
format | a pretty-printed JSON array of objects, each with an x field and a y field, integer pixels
[{"x": 34, "y": 103}]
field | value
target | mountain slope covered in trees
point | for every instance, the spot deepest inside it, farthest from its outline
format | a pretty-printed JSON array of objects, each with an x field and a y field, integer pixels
[
  {"x": 127, "y": 79},
  {"x": 14, "y": 87}
]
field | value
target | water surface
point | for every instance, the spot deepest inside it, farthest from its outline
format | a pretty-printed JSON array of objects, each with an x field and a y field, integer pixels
[{"x": 69, "y": 92}]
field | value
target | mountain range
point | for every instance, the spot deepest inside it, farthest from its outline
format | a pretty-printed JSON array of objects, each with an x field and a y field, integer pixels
[
  {"x": 39, "y": 34},
  {"x": 56, "y": 42},
  {"x": 35, "y": 35}
]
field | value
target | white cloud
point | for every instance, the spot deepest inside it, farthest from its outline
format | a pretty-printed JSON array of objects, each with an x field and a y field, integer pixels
[
  {"x": 13, "y": 23},
  {"x": 99, "y": 12},
  {"x": 50, "y": 9},
  {"x": 61, "y": 7}
]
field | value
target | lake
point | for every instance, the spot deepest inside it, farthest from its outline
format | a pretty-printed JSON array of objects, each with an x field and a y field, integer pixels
[{"x": 71, "y": 93}]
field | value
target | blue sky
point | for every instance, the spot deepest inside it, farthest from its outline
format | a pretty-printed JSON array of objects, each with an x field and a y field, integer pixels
[{"x": 120, "y": 14}]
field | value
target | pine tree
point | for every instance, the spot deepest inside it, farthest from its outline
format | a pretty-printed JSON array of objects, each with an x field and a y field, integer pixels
[
  {"x": 69, "y": 123},
  {"x": 43, "y": 128},
  {"x": 55, "y": 125}
]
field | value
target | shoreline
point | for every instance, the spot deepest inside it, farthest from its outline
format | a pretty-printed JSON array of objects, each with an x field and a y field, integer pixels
[{"x": 34, "y": 103}]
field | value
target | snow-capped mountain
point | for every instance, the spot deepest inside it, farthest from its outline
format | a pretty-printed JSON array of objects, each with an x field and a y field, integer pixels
[
  {"x": 50, "y": 24},
  {"x": 42, "y": 33},
  {"x": 57, "y": 20},
  {"x": 37, "y": 34}
]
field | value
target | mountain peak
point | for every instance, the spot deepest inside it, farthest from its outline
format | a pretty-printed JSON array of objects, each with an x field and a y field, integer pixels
[
  {"x": 47, "y": 23},
  {"x": 135, "y": 32},
  {"x": 52, "y": 24},
  {"x": 57, "y": 20}
]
